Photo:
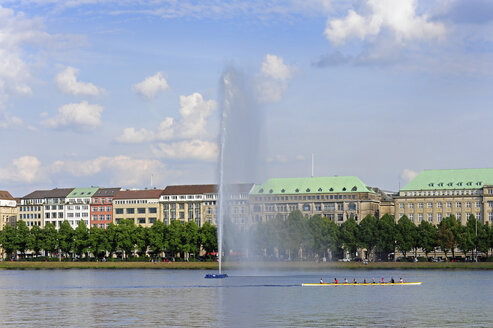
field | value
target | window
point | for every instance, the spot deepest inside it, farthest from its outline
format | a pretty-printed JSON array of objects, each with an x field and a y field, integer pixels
[
  {"x": 141, "y": 210},
  {"x": 478, "y": 204},
  {"x": 430, "y": 205},
  {"x": 439, "y": 217},
  {"x": 142, "y": 220},
  {"x": 420, "y": 205},
  {"x": 411, "y": 217},
  {"x": 439, "y": 205},
  {"x": 101, "y": 209},
  {"x": 152, "y": 220},
  {"x": 449, "y": 205},
  {"x": 119, "y": 210},
  {"x": 490, "y": 216},
  {"x": 108, "y": 217},
  {"x": 152, "y": 210},
  {"x": 458, "y": 204},
  {"x": 459, "y": 216},
  {"x": 352, "y": 206},
  {"x": 306, "y": 207},
  {"x": 130, "y": 210},
  {"x": 101, "y": 217},
  {"x": 340, "y": 217},
  {"x": 94, "y": 209},
  {"x": 411, "y": 205},
  {"x": 468, "y": 204},
  {"x": 430, "y": 217},
  {"x": 401, "y": 205},
  {"x": 420, "y": 217}
]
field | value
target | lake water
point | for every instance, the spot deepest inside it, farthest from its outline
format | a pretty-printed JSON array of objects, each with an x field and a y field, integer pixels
[{"x": 166, "y": 298}]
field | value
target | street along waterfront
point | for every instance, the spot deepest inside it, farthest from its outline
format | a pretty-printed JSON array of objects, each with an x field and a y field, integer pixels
[{"x": 145, "y": 298}]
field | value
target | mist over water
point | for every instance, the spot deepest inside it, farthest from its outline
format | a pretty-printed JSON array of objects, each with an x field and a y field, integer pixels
[{"x": 239, "y": 140}]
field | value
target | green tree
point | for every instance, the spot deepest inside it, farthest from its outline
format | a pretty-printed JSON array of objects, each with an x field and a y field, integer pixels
[
  {"x": 466, "y": 236},
  {"x": 81, "y": 239},
  {"x": 406, "y": 235},
  {"x": 66, "y": 238},
  {"x": 349, "y": 235},
  {"x": 36, "y": 240},
  {"x": 98, "y": 242},
  {"x": 319, "y": 232},
  {"x": 427, "y": 236},
  {"x": 141, "y": 239},
  {"x": 111, "y": 238},
  {"x": 368, "y": 234},
  {"x": 386, "y": 236},
  {"x": 9, "y": 240},
  {"x": 125, "y": 231},
  {"x": 50, "y": 238},
  {"x": 208, "y": 237},
  {"x": 448, "y": 230},
  {"x": 157, "y": 235},
  {"x": 23, "y": 237},
  {"x": 297, "y": 233},
  {"x": 191, "y": 235},
  {"x": 484, "y": 242},
  {"x": 174, "y": 242}
]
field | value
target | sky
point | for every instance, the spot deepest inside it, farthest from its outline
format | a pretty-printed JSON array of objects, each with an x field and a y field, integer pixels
[{"x": 127, "y": 93}]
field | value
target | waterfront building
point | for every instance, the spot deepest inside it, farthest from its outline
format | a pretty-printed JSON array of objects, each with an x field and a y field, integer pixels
[
  {"x": 31, "y": 208},
  {"x": 8, "y": 209},
  {"x": 337, "y": 198},
  {"x": 141, "y": 206},
  {"x": 198, "y": 203},
  {"x": 78, "y": 205},
  {"x": 102, "y": 207},
  {"x": 435, "y": 194},
  {"x": 190, "y": 203}
]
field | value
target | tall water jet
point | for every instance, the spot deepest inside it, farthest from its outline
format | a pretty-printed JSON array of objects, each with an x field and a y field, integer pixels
[{"x": 239, "y": 143}]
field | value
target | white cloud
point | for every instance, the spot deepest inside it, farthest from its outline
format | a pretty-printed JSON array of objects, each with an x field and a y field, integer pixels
[
  {"x": 7, "y": 121},
  {"x": 272, "y": 82},
  {"x": 194, "y": 114},
  {"x": 82, "y": 115},
  {"x": 25, "y": 169},
  {"x": 398, "y": 17},
  {"x": 408, "y": 174},
  {"x": 67, "y": 82},
  {"x": 273, "y": 66},
  {"x": 192, "y": 149},
  {"x": 148, "y": 88},
  {"x": 122, "y": 170}
]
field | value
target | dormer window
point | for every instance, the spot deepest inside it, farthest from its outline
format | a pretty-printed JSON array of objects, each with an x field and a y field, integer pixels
[
  {"x": 271, "y": 191},
  {"x": 344, "y": 189},
  {"x": 297, "y": 190},
  {"x": 459, "y": 184},
  {"x": 307, "y": 189},
  {"x": 331, "y": 189},
  {"x": 431, "y": 184},
  {"x": 261, "y": 190},
  {"x": 320, "y": 189},
  {"x": 354, "y": 188},
  {"x": 282, "y": 190}
]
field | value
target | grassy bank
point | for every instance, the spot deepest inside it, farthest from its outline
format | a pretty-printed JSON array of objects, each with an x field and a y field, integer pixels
[{"x": 19, "y": 265}]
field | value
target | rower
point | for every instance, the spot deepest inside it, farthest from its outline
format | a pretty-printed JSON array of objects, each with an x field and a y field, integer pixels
[
  {"x": 335, "y": 281},
  {"x": 392, "y": 280},
  {"x": 364, "y": 281},
  {"x": 400, "y": 280},
  {"x": 354, "y": 281},
  {"x": 321, "y": 281},
  {"x": 383, "y": 281},
  {"x": 345, "y": 280},
  {"x": 372, "y": 280}
]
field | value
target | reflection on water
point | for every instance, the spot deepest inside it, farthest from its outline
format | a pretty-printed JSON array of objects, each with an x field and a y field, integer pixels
[{"x": 157, "y": 298}]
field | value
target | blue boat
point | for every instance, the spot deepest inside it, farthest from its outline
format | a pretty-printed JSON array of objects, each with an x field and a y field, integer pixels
[{"x": 215, "y": 276}]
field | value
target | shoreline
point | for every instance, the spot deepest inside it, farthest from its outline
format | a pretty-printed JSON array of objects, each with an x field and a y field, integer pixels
[{"x": 20, "y": 265}]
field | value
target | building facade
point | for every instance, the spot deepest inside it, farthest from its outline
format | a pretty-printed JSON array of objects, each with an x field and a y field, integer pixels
[
  {"x": 31, "y": 208},
  {"x": 102, "y": 207},
  {"x": 8, "y": 209},
  {"x": 188, "y": 203},
  {"x": 337, "y": 198},
  {"x": 141, "y": 206},
  {"x": 78, "y": 206},
  {"x": 435, "y": 194}
]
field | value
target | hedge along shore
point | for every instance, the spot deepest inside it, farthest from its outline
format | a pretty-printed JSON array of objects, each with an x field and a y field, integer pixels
[{"x": 21, "y": 265}]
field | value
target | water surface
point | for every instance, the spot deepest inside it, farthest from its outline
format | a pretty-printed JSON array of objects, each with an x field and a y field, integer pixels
[{"x": 181, "y": 298}]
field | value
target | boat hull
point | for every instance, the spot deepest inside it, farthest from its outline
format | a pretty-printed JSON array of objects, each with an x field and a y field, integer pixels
[{"x": 417, "y": 283}]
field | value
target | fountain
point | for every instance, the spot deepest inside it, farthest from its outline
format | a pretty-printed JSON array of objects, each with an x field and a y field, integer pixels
[{"x": 238, "y": 140}]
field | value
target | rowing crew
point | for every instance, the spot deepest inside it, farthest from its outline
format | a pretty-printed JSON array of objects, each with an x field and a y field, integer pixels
[{"x": 392, "y": 281}]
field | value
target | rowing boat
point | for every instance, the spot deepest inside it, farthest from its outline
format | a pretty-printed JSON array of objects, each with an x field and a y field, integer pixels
[{"x": 363, "y": 284}]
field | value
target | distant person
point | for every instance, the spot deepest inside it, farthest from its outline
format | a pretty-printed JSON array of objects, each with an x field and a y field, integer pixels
[
  {"x": 392, "y": 280},
  {"x": 345, "y": 280},
  {"x": 383, "y": 281},
  {"x": 321, "y": 281},
  {"x": 400, "y": 280},
  {"x": 354, "y": 281},
  {"x": 335, "y": 281},
  {"x": 372, "y": 280},
  {"x": 364, "y": 281}
]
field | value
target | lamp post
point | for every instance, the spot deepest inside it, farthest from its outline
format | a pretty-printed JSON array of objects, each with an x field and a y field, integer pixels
[{"x": 476, "y": 242}]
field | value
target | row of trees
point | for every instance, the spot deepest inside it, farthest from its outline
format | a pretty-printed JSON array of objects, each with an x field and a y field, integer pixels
[
  {"x": 316, "y": 237},
  {"x": 125, "y": 238}
]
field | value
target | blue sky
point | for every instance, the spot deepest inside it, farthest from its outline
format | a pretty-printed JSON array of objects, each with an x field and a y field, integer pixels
[{"x": 109, "y": 93}]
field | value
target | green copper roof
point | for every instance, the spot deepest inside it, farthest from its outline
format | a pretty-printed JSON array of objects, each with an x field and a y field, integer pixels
[
  {"x": 322, "y": 185},
  {"x": 451, "y": 179},
  {"x": 82, "y": 192}
]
